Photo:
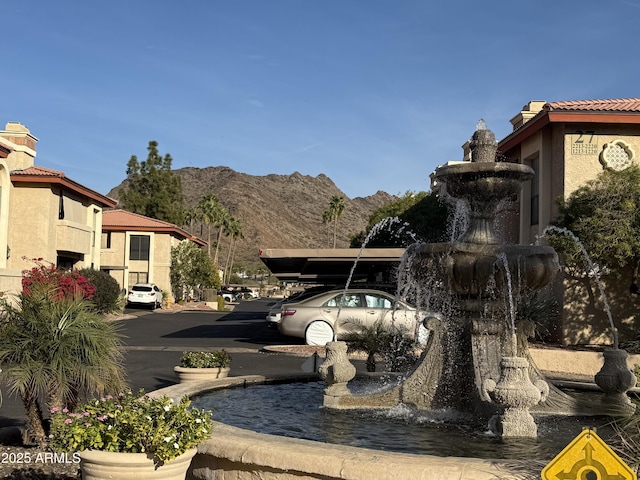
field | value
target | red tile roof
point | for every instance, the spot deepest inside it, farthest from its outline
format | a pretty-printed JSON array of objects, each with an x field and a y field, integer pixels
[
  {"x": 616, "y": 110},
  {"x": 37, "y": 174},
  {"x": 609, "y": 105},
  {"x": 119, "y": 220}
]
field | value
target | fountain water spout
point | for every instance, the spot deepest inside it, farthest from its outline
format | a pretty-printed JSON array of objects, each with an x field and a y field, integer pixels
[{"x": 615, "y": 378}]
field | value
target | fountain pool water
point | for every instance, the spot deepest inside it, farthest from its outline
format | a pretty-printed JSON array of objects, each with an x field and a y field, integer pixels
[{"x": 295, "y": 410}]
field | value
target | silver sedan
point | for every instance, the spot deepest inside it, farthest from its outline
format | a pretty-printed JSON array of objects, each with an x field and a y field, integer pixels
[{"x": 327, "y": 316}]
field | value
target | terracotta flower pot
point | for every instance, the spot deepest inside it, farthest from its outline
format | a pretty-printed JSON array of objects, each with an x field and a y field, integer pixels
[
  {"x": 99, "y": 465},
  {"x": 200, "y": 374}
]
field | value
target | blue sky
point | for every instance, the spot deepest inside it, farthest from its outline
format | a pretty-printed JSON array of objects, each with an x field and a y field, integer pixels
[{"x": 373, "y": 93}]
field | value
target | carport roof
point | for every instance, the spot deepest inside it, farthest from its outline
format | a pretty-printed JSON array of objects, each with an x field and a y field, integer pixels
[{"x": 330, "y": 266}]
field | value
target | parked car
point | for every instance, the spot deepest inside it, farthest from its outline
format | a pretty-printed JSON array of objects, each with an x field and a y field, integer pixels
[
  {"x": 275, "y": 311},
  {"x": 319, "y": 318},
  {"x": 228, "y": 295},
  {"x": 247, "y": 293},
  {"x": 148, "y": 294}
]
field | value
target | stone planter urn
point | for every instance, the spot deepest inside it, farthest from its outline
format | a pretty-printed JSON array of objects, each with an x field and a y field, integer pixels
[
  {"x": 515, "y": 394},
  {"x": 99, "y": 465},
  {"x": 615, "y": 379},
  {"x": 200, "y": 374},
  {"x": 337, "y": 370}
]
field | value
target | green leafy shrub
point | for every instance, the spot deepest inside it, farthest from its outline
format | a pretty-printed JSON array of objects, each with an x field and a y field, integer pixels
[
  {"x": 131, "y": 423},
  {"x": 221, "y": 302},
  {"x": 217, "y": 358},
  {"x": 106, "y": 298}
]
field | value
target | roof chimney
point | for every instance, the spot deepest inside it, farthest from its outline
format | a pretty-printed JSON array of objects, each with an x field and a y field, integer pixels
[
  {"x": 529, "y": 111},
  {"x": 23, "y": 144}
]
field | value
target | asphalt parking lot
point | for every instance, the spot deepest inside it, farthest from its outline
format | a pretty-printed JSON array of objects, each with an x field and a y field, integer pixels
[{"x": 154, "y": 341}]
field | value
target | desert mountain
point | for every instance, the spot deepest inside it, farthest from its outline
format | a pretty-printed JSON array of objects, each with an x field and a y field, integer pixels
[{"x": 276, "y": 211}]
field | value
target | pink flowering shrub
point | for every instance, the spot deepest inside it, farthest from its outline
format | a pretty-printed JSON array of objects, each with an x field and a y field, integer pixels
[{"x": 64, "y": 283}]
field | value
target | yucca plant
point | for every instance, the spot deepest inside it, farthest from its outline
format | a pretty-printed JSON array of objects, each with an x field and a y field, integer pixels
[{"x": 54, "y": 349}]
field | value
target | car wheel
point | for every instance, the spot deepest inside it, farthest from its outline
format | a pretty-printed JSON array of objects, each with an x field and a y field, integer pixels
[
  {"x": 153, "y": 306},
  {"x": 318, "y": 333}
]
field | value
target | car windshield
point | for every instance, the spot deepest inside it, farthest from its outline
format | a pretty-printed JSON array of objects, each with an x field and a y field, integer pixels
[{"x": 141, "y": 288}]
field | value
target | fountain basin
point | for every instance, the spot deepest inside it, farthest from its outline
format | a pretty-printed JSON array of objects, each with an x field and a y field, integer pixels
[
  {"x": 470, "y": 267},
  {"x": 237, "y": 454},
  {"x": 489, "y": 181}
]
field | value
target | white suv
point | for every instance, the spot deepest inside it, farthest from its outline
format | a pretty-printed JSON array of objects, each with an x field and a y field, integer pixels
[{"x": 145, "y": 294}]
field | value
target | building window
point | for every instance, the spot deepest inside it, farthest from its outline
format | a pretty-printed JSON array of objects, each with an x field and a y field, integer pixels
[
  {"x": 139, "y": 247},
  {"x": 535, "y": 192},
  {"x": 138, "y": 277},
  {"x": 105, "y": 240},
  {"x": 61, "y": 206}
]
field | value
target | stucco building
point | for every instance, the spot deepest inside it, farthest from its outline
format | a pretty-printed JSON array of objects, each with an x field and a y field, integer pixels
[
  {"x": 137, "y": 249},
  {"x": 568, "y": 143},
  {"x": 43, "y": 213}
]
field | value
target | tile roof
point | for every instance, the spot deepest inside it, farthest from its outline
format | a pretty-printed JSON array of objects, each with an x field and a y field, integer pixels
[
  {"x": 36, "y": 174},
  {"x": 39, "y": 172},
  {"x": 609, "y": 105},
  {"x": 124, "y": 218},
  {"x": 121, "y": 220}
]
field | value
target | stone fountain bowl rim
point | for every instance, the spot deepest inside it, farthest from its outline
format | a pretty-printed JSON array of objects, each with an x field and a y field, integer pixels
[
  {"x": 258, "y": 451},
  {"x": 502, "y": 169}
]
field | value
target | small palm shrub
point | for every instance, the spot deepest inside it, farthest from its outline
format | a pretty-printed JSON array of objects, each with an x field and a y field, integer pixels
[
  {"x": 54, "y": 348},
  {"x": 215, "y": 359},
  {"x": 392, "y": 343},
  {"x": 107, "y": 295}
]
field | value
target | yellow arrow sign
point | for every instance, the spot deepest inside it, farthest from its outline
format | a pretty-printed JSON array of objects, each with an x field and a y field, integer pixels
[{"x": 587, "y": 457}]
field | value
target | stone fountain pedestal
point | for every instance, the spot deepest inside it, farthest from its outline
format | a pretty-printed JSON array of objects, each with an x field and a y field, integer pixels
[
  {"x": 515, "y": 394},
  {"x": 615, "y": 379},
  {"x": 337, "y": 371}
]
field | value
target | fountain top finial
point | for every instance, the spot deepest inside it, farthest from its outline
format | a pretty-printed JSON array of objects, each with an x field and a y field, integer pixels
[{"x": 483, "y": 144}]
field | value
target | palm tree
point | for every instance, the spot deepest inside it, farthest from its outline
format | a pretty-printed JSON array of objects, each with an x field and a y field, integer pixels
[
  {"x": 221, "y": 220},
  {"x": 326, "y": 219},
  {"x": 213, "y": 213},
  {"x": 234, "y": 231},
  {"x": 57, "y": 349},
  {"x": 336, "y": 207},
  {"x": 191, "y": 216}
]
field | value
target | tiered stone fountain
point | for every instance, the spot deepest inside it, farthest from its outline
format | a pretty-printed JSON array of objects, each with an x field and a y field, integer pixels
[{"x": 476, "y": 359}]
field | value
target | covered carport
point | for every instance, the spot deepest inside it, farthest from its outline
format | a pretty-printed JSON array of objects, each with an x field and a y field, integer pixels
[{"x": 332, "y": 266}]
